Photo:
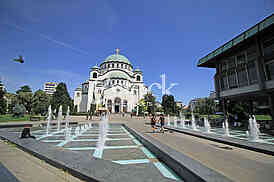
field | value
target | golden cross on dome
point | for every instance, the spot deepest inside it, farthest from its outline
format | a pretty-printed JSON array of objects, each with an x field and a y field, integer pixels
[{"x": 117, "y": 51}]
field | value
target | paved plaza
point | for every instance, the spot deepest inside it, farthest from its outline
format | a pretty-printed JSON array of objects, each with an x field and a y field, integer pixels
[{"x": 121, "y": 147}]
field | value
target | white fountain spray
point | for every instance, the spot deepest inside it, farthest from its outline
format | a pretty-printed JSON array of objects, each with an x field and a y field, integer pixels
[
  {"x": 175, "y": 122},
  {"x": 226, "y": 127},
  {"x": 59, "y": 118},
  {"x": 207, "y": 125},
  {"x": 183, "y": 121},
  {"x": 67, "y": 118},
  {"x": 193, "y": 124},
  {"x": 253, "y": 133},
  {"x": 168, "y": 120},
  {"x": 103, "y": 130},
  {"x": 49, "y": 119}
]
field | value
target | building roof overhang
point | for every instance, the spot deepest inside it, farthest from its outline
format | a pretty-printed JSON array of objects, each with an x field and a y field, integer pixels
[{"x": 210, "y": 59}]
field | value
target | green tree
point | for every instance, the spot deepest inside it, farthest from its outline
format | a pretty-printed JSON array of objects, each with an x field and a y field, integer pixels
[
  {"x": 19, "y": 110},
  {"x": 12, "y": 99},
  {"x": 24, "y": 88},
  {"x": 61, "y": 97},
  {"x": 24, "y": 95},
  {"x": 168, "y": 104},
  {"x": 3, "y": 103},
  {"x": 40, "y": 102},
  {"x": 149, "y": 100}
]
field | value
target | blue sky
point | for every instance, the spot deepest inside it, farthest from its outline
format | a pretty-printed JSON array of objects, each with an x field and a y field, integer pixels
[{"x": 61, "y": 39}]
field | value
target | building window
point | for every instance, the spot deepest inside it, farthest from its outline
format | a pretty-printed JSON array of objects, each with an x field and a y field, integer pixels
[
  {"x": 117, "y": 81},
  {"x": 242, "y": 77},
  {"x": 240, "y": 59},
  {"x": 94, "y": 75},
  {"x": 223, "y": 66},
  {"x": 268, "y": 45},
  {"x": 270, "y": 70},
  {"x": 108, "y": 65},
  {"x": 231, "y": 63},
  {"x": 78, "y": 94},
  {"x": 232, "y": 80},
  {"x": 135, "y": 92},
  {"x": 112, "y": 65},
  {"x": 224, "y": 84},
  {"x": 252, "y": 74},
  {"x": 117, "y": 65},
  {"x": 122, "y": 82},
  {"x": 138, "y": 78},
  {"x": 113, "y": 81}
]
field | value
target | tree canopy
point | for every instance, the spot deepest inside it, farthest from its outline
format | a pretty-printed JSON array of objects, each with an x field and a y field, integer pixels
[
  {"x": 40, "y": 102},
  {"x": 3, "y": 103},
  {"x": 24, "y": 88},
  {"x": 61, "y": 97},
  {"x": 168, "y": 104}
]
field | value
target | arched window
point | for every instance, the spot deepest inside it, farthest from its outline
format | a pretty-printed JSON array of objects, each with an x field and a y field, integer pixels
[
  {"x": 78, "y": 94},
  {"x": 112, "y": 65},
  {"x": 138, "y": 78},
  {"x": 117, "y": 81},
  {"x": 122, "y": 65},
  {"x": 113, "y": 81},
  {"x": 117, "y": 65},
  {"x": 108, "y": 65},
  {"x": 122, "y": 82},
  {"x": 94, "y": 75}
]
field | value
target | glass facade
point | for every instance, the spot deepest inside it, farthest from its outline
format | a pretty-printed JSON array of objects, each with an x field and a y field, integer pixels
[{"x": 238, "y": 70}]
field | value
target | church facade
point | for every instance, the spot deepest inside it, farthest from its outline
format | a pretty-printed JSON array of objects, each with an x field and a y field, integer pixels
[{"x": 114, "y": 86}]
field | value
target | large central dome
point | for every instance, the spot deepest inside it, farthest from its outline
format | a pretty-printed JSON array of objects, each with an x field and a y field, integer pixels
[{"x": 117, "y": 58}]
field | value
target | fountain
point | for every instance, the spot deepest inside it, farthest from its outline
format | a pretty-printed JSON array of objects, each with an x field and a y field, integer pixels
[
  {"x": 59, "y": 118},
  {"x": 103, "y": 130},
  {"x": 206, "y": 125},
  {"x": 49, "y": 119},
  {"x": 183, "y": 121},
  {"x": 253, "y": 133},
  {"x": 226, "y": 127},
  {"x": 175, "y": 122},
  {"x": 193, "y": 124},
  {"x": 67, "y": 118},
  {"x": 168, "y": 120}
]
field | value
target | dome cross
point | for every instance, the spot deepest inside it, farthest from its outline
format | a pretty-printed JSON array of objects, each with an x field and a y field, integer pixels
[{"x": 117, "y": 50}]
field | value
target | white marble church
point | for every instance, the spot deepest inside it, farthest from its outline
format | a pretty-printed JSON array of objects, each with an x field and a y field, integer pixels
[{"x": 113, "y": 86}]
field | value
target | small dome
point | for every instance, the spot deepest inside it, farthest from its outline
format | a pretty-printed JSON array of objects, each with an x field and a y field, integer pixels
[{"x": 95, "y": 67}]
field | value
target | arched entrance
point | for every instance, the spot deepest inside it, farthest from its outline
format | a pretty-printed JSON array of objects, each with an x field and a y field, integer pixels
[
  {"x": 109, "y": 106},
  {"x": 117, "y": 105},
  {"x": 125, "y": 106}
]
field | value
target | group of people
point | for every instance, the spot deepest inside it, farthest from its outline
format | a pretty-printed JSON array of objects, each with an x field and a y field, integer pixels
[{"x": 161, "y": 121}]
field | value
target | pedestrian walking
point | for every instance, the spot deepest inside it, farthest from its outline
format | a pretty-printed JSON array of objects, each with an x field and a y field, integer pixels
[{"x": 162, "y": 122}]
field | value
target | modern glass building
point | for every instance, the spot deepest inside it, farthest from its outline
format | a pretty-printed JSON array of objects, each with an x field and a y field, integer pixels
[{"x": 245, "y": 67}]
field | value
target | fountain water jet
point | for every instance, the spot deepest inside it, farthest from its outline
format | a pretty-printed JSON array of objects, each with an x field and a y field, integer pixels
[
  {"x": 226, "y": 127},
  {"x": 193, "y": 124},
  {"x": 59, "y": 118},
  {"x": 253, "y": 133},
  {"x": 67, "y": 118},
  {"x": 207, "y": 125},
  {"x": 103, "y": 130},
  {"x": 183, "y": 121},
  {"x": 168, "y": 120},
  {"x": 175, "y": 122},
  {"x": 49, "y": 119}
]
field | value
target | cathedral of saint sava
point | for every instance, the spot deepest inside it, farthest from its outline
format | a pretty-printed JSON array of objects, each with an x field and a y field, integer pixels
[{"x": 114, "y": 86}]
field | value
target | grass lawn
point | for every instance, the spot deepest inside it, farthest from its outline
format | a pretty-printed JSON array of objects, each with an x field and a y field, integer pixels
[{"x": 9, "y": 118}]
